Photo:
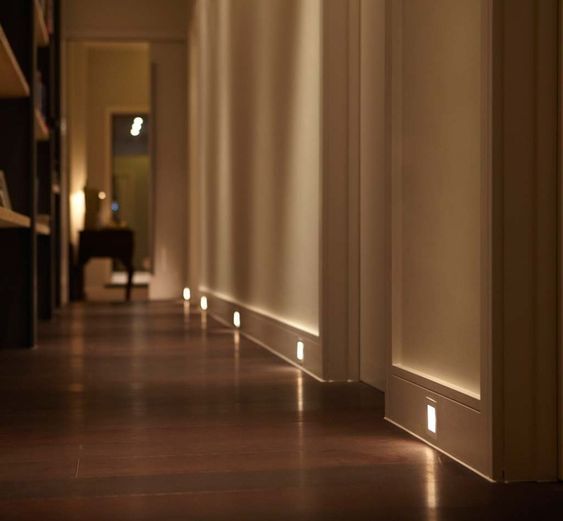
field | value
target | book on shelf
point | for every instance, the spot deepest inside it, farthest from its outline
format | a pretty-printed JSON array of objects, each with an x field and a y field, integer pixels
[
  {"x": 43, "y": 219},
  {"x": 47, "y": 10},
  {"x": 40, "y": 95},
  {"x": 50, "y": 16},
  {"x": 4, "y": 194}
]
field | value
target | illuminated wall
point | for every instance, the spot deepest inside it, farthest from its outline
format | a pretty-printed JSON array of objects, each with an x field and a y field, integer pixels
[
  {"x": 439, "y": 152},
  {"x": 260, "y": 154},
  {"x": 441, "y": 172}
]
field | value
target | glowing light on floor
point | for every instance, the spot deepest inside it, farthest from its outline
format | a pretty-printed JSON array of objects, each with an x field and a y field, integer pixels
[
  {"x": 187, "y": 294},
  {"x": 236, "y": 319},
  {"x": 300, "y": 399},
  {"x": 203, "y": 304}
]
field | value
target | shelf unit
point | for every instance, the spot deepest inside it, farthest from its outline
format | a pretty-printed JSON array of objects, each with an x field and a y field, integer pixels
[
  {"x": 43, "y": 229},
  {"x": 11, "y": 219},
  {"x": 12, "y": 81},
  {"x": 41, "y": 128},
  {"x": 30, "y": 159},
  {"x": 41, "y": 32}
]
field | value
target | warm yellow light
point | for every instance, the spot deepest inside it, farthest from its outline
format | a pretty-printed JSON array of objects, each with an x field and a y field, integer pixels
[
  {"x": 203, "y": 303},
  {"x": 78, "y": 208},
  {"x": 236, "y": 319},
  {"x": 300, "y": 351},
  {"x": 101, "y": 196},
  {"x": 431, "y": 418},
  {"x": 187, "y": 294},
  {"x": 136, "y": 126}
]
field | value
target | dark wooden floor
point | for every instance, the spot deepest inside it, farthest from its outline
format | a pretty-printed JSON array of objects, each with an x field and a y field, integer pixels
[{"x": 132, "y": 412}]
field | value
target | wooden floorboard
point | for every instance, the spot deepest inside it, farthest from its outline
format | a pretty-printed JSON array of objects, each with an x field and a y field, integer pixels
[{"x": 136, "y": 412}]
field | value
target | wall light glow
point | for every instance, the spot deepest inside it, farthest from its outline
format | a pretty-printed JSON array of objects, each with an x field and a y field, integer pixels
[
  {"x": 203, "y": 303},
  {"x": 187, "y": 294},
  {"x": 101, "y": 196},
  {"x": 300, "y": 351},
  {"x": 78, "y": 208},
  {"x": 136, "y": 126},
  {"x": 431, "y": 418},
  {"x": 236, "y": 319}
]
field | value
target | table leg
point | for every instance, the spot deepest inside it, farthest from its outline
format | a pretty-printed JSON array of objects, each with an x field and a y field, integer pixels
[{"x": 130, "y": 272}]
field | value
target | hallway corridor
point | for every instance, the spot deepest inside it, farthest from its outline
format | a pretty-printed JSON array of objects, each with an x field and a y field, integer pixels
[{"x": 136, "y": 412}]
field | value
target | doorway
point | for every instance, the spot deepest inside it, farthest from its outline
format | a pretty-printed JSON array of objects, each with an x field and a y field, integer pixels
[
  {"x": 131, "y": 181},
  {"x": 109, "y": 85}
]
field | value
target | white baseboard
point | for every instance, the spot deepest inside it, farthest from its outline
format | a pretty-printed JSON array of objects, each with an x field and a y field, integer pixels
[
  {"x": 462, "y": 431},
  {"x": 274, "y": 335},
  {"x": 436, "y": 447}
]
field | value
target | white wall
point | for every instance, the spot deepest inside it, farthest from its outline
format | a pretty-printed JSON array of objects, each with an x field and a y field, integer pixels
[
  {"x": 193, "y": 195},
  {"x": 374, "y": 198},
  {"x": 260, "y": 156},
  {"x": 438, "y": 187},
  {"x": 76, "y": 88},
  {"x": 169, "y": 170},
  {"x": 125, "y": 19},
  {"x": 441, "y": 170}
]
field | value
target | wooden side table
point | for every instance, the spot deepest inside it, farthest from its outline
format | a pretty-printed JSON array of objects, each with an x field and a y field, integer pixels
[{"x": 115, "y": 243}]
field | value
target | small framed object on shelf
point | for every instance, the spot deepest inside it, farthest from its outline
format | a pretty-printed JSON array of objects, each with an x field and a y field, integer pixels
[{"x": 4, "y": 194}]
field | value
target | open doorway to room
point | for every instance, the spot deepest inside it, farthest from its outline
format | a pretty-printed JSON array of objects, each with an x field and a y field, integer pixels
[
  {"x": 130, "y": 185},
  {"x": 109, "y": 151}
]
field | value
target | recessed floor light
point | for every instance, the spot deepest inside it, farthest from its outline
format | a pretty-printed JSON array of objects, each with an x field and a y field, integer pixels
[
  {"x": 300, "y": 351},
  {"x": 431, "y": 418}
]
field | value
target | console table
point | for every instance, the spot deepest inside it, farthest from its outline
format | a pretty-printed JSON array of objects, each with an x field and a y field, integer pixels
[{"x": 115, "y": 243}]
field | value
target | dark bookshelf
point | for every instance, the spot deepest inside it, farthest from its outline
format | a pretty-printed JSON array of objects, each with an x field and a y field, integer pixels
[{"x": 29, "y": 157}]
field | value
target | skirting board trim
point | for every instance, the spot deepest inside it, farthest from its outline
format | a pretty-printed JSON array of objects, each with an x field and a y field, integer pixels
[
  {"x": 463, "y": 433},
  {"x": 469, "y": 467},
  {"x": 455, "y": 394},
  {"x": 265, "y": 346},
  {"x": 271, "y": 334},
  {"x": 301, "y": 329}
]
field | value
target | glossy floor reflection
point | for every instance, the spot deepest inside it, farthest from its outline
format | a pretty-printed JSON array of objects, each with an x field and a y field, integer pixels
[{"x": 136, "y": 412}]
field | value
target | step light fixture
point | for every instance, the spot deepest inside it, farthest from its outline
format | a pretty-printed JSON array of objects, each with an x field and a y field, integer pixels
[{"x": 300, "y": 351}]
